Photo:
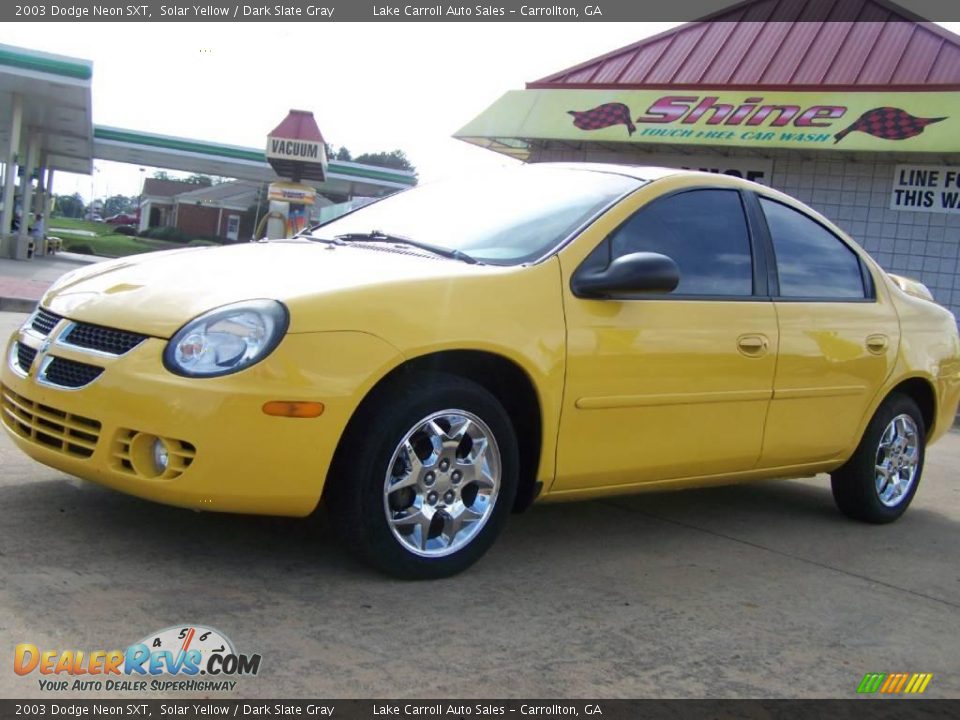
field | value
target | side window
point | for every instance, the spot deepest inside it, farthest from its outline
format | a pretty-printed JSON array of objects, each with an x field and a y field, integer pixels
[
  {"x": 812, "y": 262},
  {"x": 703, "y": 231}
]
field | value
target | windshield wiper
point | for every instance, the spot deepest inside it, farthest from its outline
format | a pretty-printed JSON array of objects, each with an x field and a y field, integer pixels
[{"x": 382, "y": 237}]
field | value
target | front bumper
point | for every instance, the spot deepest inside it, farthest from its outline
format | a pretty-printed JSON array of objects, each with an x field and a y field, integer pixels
[{"x": 225, "y": 453}]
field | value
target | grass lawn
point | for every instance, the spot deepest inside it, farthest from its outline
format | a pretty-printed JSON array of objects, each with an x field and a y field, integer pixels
[
  {"x": 99, "y": 228},
  {"x": 106, "y": 242}
]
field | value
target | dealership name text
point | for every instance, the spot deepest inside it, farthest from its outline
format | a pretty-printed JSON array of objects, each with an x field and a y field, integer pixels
[
  {"x": 441, "y": 709},
  {"x": 484, "y": 11}
]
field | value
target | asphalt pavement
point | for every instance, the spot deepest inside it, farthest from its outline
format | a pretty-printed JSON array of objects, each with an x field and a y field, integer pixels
[{"x": 744, "y": 591}]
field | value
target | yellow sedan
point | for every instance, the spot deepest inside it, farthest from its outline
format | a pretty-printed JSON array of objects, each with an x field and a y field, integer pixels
[{"x": 435, "y": 360}]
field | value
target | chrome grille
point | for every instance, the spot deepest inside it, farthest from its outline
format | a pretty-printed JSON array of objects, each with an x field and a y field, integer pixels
[
  {"x": 86, "y": 341},
  {"x": 25, "y": 356},
  {"x": 62, "y": 431},
  {"x": 69, "y": 373},
  {"x": 102, "y": 339},
  {"x": 44, "y": 321}
]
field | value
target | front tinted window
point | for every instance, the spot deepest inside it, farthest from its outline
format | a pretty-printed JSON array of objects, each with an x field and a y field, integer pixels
[
  {"x": 703, "y": 231},
  {"x": 508, "y": 216},
  {"x": 812, "y": 262}
]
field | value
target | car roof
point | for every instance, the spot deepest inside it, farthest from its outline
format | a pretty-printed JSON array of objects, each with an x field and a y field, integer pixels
[
  {"x": 651, "y": 173},
  {"x": 640, "y": 172}
]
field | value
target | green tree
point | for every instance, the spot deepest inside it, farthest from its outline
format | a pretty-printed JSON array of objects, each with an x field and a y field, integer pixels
[
  {"x": 335, "y": 153},
  {"x": 396, "y": 159},
  {"x": 161, "y": 175},
  {"x": 119, "y": 204},
  {"x": 69, "y": 205},
  {"x": 198, "y": 179}
]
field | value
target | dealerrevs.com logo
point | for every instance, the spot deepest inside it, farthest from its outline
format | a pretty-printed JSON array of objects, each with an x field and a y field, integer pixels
[
  {"x": 180, "y": 658},
  {"x": 895, "y": 683}
]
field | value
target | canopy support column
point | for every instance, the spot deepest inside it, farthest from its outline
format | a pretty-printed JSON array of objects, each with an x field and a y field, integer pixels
[
  {"x": 22, "y": 245},
  {"x": 47, "y": 196},
  {"x": 10, "y": 160}
]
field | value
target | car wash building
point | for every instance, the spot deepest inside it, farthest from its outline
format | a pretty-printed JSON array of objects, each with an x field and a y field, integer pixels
[{"x": 861, "y": 120}]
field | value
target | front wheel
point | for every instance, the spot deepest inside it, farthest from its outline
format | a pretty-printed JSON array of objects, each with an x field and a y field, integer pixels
[
  {"x": 879, "y": 481},
  {"x": 425, "y": 478}
]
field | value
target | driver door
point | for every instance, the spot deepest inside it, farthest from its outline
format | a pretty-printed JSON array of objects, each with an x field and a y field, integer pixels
[{"x": 662, "y": 387}]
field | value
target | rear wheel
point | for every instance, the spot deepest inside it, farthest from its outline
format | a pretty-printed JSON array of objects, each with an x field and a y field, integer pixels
[
  {"x": 426, "y": 477},
  {"x": 879, "y": 481}
]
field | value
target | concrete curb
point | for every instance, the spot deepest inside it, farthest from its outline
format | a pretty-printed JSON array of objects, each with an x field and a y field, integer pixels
[
  {"x": 80, "y": 258},
  {"x": 18, "y": 305}
]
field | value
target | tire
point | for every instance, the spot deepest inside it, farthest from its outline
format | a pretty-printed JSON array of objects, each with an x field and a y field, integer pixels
[
  {"x": 425, "y": 477},
  {"x": 877, "y": 484}
]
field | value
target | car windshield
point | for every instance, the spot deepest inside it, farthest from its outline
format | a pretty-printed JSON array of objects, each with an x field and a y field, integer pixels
[{"x": 507, "y": 217}]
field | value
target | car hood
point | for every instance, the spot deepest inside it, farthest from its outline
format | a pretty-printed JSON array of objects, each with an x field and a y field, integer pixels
[{"x": 157, "y": 293}]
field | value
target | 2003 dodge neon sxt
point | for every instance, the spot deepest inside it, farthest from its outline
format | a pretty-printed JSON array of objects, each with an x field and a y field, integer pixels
[{"x": 438, "y": 358}]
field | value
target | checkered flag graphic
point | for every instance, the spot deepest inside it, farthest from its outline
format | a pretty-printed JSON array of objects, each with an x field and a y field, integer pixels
[
  {"x": 889, "y": 123},
  {"x": 603, "y": 116}
]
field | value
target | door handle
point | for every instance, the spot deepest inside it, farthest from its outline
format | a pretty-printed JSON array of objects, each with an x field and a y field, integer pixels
[
  {"x": 877, "y": 343},
  {"x": 753, "y": 345}
]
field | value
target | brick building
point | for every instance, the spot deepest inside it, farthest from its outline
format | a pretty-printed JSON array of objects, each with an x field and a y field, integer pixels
[{"x": 221, "y": 211}]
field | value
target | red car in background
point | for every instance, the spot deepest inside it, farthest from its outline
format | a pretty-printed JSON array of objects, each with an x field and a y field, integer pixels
[{"x": 123, "y": 219}]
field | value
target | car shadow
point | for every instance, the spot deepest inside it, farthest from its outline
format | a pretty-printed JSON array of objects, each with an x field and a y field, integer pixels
[{"x": 73, "y": 524}]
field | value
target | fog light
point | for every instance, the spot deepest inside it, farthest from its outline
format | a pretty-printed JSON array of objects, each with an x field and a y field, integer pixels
[
  {"x": 149, "y": 455},
  {"x": 161, "y": 457}
]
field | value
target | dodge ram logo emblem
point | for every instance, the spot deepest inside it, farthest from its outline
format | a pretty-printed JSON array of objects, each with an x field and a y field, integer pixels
[{"x": 41, "y": 354}]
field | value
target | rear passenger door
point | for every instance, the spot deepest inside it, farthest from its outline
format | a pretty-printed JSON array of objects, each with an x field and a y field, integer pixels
[{"x": 838, "y": 339}]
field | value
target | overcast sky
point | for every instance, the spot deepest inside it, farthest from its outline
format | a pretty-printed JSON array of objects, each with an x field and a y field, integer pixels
[{"x": 371, "y": 86}]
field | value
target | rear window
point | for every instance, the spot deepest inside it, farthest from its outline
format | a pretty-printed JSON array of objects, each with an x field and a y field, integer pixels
[{"x": 812, "y": 262}]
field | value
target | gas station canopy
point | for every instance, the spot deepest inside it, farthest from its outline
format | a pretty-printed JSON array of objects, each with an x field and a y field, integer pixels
[
  {"x": 234, "y": 161},
  {"x": 55, "y": 96}
]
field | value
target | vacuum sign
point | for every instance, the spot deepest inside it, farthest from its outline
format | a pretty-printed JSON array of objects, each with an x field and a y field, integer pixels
[
  {"x": 302, "y": 150},
  {"x": 926, "y": 188}
]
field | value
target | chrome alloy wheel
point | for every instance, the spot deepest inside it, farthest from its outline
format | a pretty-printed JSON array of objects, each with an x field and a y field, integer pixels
[
  {"x": 442, "y": 483},
  {"x": 898, "y": 458}
]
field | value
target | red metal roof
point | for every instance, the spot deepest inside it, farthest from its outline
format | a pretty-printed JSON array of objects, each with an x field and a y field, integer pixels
[
  {"x": 157, "y": 187},
  {"x": 775, "y": 44},
  {"x": 298, "y": 125}
]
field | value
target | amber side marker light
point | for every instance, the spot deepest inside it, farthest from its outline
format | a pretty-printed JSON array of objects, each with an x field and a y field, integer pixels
[{"x": 293, "y": 408}]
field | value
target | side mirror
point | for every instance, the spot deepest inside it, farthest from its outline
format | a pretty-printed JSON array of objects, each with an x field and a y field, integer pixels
[{"x": 641, "y": 272}]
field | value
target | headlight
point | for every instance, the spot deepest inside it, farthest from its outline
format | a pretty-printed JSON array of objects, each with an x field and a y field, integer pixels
[{"x": 227, "y": 340}]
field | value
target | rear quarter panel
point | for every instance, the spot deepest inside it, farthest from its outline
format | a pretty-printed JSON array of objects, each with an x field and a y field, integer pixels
[{"x": 929, "y": 349}]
